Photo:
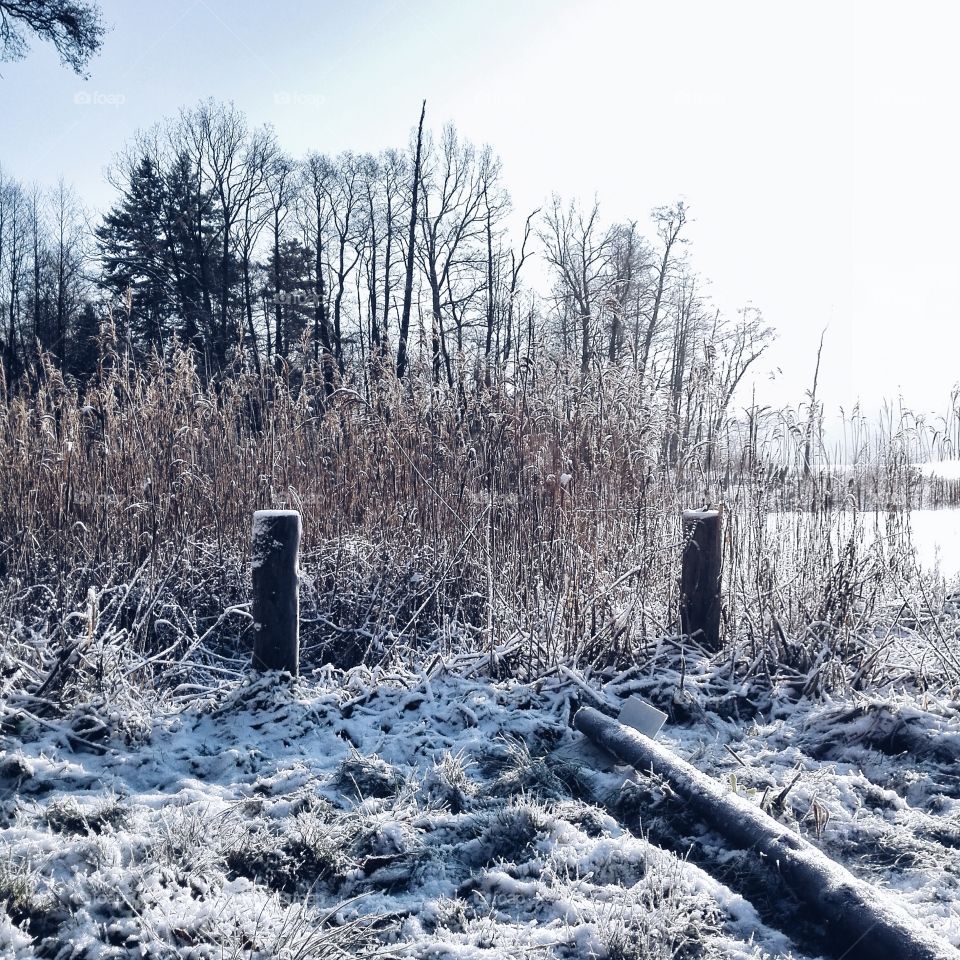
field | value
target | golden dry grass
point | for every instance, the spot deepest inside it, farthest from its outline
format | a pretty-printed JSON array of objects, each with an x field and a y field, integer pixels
[{"x": 540, "y": 513}]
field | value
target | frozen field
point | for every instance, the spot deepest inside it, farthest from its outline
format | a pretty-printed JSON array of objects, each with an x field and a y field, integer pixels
[{"x": 447, "y": 816}]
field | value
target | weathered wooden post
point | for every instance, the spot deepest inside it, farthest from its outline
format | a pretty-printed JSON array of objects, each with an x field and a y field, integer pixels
[
  {"x": 276, "y": 599},
  {"x": 700, "y": 577}
]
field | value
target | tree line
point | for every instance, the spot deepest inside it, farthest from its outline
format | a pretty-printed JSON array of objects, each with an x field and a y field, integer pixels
[{"x": 401, "y": 263}]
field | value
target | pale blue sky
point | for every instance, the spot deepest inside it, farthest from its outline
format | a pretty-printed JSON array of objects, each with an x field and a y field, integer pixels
[{"x": 816, "y": 143}]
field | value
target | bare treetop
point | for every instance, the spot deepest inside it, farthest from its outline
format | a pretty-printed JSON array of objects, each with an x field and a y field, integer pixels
[{"x": 74, "y": 27}]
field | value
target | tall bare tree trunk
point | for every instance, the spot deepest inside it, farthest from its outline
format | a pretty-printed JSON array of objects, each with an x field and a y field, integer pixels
[
  {"x": 386, "y": 267},
  {"x": 490, "y": 310},
  {"x": 248, "y": 311},
  {"x": 281, "y": 346},
  {"x": 411, "y": 252}
]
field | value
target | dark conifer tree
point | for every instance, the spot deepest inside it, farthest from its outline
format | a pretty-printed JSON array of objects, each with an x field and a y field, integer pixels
[{"x": 135, "y": 254}]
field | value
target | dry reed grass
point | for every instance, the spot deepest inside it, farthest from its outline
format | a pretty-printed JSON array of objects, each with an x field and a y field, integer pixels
[{"x": 536, "y": 521}]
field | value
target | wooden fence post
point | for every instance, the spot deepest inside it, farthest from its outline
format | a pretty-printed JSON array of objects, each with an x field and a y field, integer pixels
[
  {"x": 276, "y": 598},
  {"x": 700, "y": 577}
]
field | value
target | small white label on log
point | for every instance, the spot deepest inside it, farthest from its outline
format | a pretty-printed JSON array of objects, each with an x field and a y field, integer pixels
[{"x": 637, "y": 713}]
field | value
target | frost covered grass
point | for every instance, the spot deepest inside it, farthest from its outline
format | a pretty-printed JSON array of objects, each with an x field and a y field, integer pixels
[
  {"x": 471, "y": 571},
  {"x": 541, "y": 519},
  {"x": 261, "y": 821},
  {"x": 400, "y": 813}
]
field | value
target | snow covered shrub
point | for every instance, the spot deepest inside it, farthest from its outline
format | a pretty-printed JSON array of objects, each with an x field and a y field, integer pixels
[
  {"x": 20, "y": 891},
  {"x": 511, "y": 832},
  {"x": 277, "y": 930},
  {"x": 449, "y": 784},
  {"x": 368, "y": 777},
  {"x": 262, "y": 855},
  {"x": 449, "y": 913},
  {"x": 14, "y": 943},
  {"x": 67, "y": 816},
  {"x": 671, "y": 927},
  {"x": 360, "y": 599},
  {"x": 590, "y": 819},
  {"x": 308, "y": 849},
  {"x": 319, "y": 849},
  {"x": 519, "y": 770},
  {"x": 189, "y": 841},
  {"x": 16, "y": 767}
]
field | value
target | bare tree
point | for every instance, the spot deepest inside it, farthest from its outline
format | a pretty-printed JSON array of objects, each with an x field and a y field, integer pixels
[
  {"x": 256, "y": 211},
  {"x": 579, "y": 252},
  {"x": 392, "y": 169},
  {"x": 670, "y": 222},
  {"x": 452, "y": 222},
  {"x": 496, "y": 204},
  {"x": 382, "y": 190},
  {"x": 67, "y": 253},
  {"x": 629, "y": 263},
  {"x": 689, "y": 315},
  {"x": 314, "y": 214},
  {"x": 230, "y": 160},
  {"x": 404, "y": 332},
  {"x": 74, "y": 27},
  {"x": 516, "y": 265},
  {"x": 38, "y": 255},
  {"x": 281, "y": 188},
  {"x": 187, "y": 143},
  {"x": 16, "y": 228},
  {"x": 372, "y": 176},
  {"x": 731, "y": 351},
  {"x": 347, "y": 230}
]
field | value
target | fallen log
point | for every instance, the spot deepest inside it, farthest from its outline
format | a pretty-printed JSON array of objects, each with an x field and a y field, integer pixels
[{"x": 862, "y": 920}]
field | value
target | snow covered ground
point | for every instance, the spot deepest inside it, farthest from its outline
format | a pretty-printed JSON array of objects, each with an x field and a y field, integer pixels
[{"x": 439, "y": 814}]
